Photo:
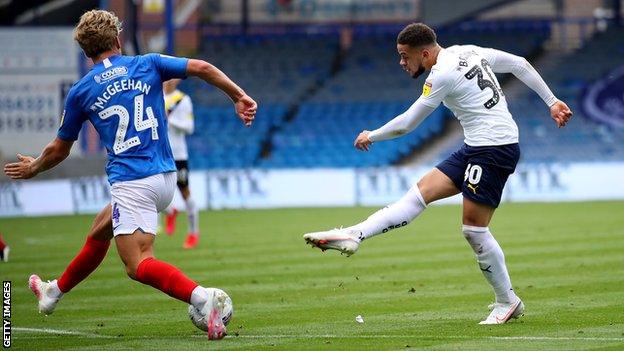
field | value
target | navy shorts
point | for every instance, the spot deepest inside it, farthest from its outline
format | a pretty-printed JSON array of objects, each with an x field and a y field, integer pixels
[
  {"x": 481, "y": 171},
  {"x": 183, "y": 172}
]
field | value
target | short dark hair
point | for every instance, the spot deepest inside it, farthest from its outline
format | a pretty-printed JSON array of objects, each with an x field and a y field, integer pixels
[{"x": 417, "y": 35}]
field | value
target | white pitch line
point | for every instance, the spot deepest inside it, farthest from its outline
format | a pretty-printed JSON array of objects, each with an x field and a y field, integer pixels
[
  {"x": 587, "y": 338},
  {"x": 383, "y": 336},
  {"x": 327, "y": 336},
  {"x": 62, "y": 332}
]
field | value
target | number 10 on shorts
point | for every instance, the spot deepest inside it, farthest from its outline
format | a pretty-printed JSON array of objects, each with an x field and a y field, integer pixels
[{"x": 473, "y": 174}]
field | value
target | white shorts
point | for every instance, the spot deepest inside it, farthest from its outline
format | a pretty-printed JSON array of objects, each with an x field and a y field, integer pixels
[{"x": 136, "y": 203}]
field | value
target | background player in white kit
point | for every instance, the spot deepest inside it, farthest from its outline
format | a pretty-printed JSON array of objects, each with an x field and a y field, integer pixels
[
  {"x": 179, "y": 109},
  {"x": 462, "y": 77}
]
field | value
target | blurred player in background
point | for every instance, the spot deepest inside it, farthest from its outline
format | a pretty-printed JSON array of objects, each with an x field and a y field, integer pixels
[
  {"x": 179, "y": 109},
  {"x": 462, "y": 77},
  {"x": 4, "y": 250},
  {"x": 122, "y": 97}
]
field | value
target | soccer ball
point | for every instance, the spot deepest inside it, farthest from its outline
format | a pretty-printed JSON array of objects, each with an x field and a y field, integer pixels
[{"x": 199, "y": 319}]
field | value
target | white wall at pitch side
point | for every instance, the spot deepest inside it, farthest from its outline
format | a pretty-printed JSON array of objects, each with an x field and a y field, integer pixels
[{"x": 256, "y": 188}]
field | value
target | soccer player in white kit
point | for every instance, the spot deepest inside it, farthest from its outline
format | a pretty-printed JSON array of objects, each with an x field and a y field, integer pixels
[
  {"x": 179, "y": 109},
  {"x": 462, "y": 77}
]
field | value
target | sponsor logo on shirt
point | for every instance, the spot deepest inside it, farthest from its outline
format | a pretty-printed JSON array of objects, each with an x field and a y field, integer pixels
[
  {"x": 111, "y": 73},
  {"x": 426, "y": 89}
]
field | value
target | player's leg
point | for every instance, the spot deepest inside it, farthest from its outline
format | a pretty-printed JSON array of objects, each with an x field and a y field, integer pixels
[
  {"x": 192, "y": 212},
  {"x": 138, "y": 203},
  {"x": 486, "y": 172},
  {"x": 4, "y": 250},
  {"x": 88, "y": 259},
  {"x": 490, "y": 257},
  {"x": 433, "y": 186},
  {"x": 93, "y": 252},
  {"x": 136, "y": 252},
  {"x": 491, "y": 261},
  {"x": 171, "y": 214}
]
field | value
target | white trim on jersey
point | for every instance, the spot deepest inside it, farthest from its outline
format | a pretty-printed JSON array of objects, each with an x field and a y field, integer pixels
[{"x": 107, "y": 63}]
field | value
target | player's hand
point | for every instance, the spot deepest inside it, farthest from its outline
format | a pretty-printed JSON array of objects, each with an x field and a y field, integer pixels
[
  {"x": 246, "y": 109},
  {"x": 561, "y": 113},
  {"x": 21, "y": 169},
  {"x": 362, "y": 142}
]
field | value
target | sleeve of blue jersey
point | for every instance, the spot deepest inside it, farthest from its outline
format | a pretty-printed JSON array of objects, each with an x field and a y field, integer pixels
[
  {"x": 72, "y": 119},
  {"x": 170, "y": 67}
]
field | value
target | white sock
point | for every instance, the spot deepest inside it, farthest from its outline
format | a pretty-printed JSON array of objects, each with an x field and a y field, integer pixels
[
  {"x": 491, "y": 261},
  {"x": 193, "y": 216},
  {"x": 199, "y": 297},
  {"x": 393, "y": 216},
  {"x": 53, "y": 290}
]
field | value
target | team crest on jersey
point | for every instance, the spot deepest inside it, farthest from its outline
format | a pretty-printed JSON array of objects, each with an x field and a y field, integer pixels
[
  {"x": 426, "y": 88},
  {"x": 110, "y": 74}
]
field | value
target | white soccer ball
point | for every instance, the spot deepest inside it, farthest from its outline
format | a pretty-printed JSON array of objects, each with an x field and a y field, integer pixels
[{"x": 223, "y": 298}]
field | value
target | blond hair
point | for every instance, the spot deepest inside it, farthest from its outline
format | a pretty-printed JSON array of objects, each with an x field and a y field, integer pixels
[{"x": 97, "y": 32}]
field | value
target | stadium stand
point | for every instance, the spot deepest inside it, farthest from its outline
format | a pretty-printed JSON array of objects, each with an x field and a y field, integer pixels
[
  {"x": 568, "y": 75},
  {"x": 275, "y": 70},
  {"x": 314, "y": 98}
]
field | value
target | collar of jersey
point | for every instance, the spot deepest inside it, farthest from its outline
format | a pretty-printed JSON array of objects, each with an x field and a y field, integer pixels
[{"x": 110, "y": 58}]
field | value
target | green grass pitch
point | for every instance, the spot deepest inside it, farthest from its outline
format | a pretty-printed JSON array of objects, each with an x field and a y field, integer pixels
[{"x": 417, "y": 287}]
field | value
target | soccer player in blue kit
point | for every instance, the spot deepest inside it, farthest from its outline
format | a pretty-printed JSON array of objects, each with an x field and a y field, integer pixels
[{"x": 122, "y": 97}]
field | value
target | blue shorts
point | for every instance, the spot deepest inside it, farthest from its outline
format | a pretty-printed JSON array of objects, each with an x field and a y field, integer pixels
[{"x": 481, "y": 171}]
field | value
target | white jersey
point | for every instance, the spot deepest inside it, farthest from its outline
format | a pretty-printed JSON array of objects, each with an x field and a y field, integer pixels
[
  {"x": 180, "y": 119},
  {"x": 464, "y": 81}
]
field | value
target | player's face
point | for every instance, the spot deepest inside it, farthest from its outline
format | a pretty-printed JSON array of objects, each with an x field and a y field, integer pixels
[{"x": 411, "y": 60}]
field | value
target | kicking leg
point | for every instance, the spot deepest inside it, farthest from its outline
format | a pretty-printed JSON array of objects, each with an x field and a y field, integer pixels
[
  {"x": 136, "y": 252},
  {"x": 433, "y": 186},
  {"x": 491, "y": 260},
  {"x": 4, "y": 250},
  {"x": 192, "y": 238},
  {"x": 88, "y": 259}
]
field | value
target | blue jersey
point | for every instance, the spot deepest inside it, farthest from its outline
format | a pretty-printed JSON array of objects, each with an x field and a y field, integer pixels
[{"x": 122, "y": 97}]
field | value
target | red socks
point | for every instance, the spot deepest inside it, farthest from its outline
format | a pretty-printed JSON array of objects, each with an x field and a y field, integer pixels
[
  {"x": 87, "y": 260},
  {"x": 2, "y": 243},
  {"x": 166, "y": 278},
  {"x": 150, "y": 271}
]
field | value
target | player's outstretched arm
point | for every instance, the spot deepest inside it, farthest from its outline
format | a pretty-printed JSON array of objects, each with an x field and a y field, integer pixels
[
  {"x": 504, "y": 62},
  {"x": 27, "y": 167},
  {"x": 400, "y": 125},
  {"x": 245, "y": 106}
]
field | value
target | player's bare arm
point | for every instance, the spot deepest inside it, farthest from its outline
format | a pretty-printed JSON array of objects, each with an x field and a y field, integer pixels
[
  {"x": 245, "y": 106},
  {"x": 27, "y": 167}
]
